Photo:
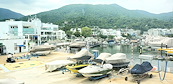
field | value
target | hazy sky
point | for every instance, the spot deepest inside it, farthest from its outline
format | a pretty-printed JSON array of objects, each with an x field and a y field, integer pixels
[{"x": 28, "y": 7}]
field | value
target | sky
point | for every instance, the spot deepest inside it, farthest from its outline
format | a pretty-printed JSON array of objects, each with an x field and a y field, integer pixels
[{"x": 28, "y": 7}]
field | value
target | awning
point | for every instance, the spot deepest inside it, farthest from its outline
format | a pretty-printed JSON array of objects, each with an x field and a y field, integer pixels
[
  {"x": 21, "y": 45},
  {"x": 35, "y": 36}
]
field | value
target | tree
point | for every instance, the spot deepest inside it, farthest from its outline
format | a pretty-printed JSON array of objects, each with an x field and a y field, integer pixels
[
  {"x": 128, "y": 36},
  {"x": 77, "y": 34},
  {"x": 69, "y": 33},
  {"x": 102, "y": 36},
  {"x": 86, "y": 32}
]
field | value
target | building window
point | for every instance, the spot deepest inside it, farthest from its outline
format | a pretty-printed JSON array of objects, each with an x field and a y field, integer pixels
[
  {"x": 41, "y": 33},
  {"x": 13, "y": 26},
  {"x": 24, "y": 47}
]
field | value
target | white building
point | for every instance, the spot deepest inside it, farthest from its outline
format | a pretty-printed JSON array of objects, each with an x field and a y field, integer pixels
[
  {"x": 33, "y": 30},
  {"x": 159, "y": 32},
  {"x": 131, "y": 32},
  {"x": 108, "y": 32},
  {"x": 95, "y": 31},
  {"x": 14, "y": 45},
  {"x": 171, "y": 30},
  {"x": 76, "y": 29},
  {"x": 118, "y": 33},
  {"x": 60, "y": 34}
]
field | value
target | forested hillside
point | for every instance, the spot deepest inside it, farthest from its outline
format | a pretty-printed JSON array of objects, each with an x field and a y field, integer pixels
[
  {"x": 8, "y": 14},
  {"x": 105, "y": 16}
]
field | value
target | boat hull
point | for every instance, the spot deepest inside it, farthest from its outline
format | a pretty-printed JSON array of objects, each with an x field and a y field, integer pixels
[
  {"x": 96, "y": 74},
  {"x": 76, "y": 68},
  {"x": 96, "y": 70}
]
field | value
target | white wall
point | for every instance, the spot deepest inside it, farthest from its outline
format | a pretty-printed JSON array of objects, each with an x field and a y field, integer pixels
[
  {"x": 4, "y": 30},
  {"x": 61, "y": 34},
  {"x": 108, "y": 31},
  {"x": 33, "y": 23},
  {"x": 10, "y": 47}
]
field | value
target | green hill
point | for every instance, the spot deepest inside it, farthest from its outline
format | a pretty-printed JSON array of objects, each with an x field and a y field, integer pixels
[
  {"x": 8, "y": 14},
  {"x": 105, "y": 16}
]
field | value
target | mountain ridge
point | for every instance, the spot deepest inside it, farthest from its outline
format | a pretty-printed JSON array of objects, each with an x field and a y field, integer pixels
[
  {"x": 9, "y": 14},
  {"x": 104, "y": 16}
]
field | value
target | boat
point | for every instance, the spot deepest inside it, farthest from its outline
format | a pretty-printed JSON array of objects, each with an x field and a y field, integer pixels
[
  {"x": 166, "y": 42},
  {"x": 78, "y": 61},
  {"x": 43, "y": 48},
  {"x": 41, "y": 53},
  {"x": 77, "y": 46},
  {"x": 104, "y": 44},
  {"x": 98, "y": 69},
  {"x": 111, "y": 42},
  {"x": 118, "y": 60},
  {"x": 81, "y": 58},
  {"x": 76, "y": 68},
  {"x": 101, "y": 58},
  {"x": 83, "y": 55},
  {"x": 140, "y": 72},
  {"x": 94, "y": 44},
  {"x": 58, "y": 64}
]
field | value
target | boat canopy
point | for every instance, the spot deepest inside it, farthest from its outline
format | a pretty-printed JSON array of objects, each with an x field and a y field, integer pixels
[
  {"x": 42, "y": 48},
  {"x": 103, "y": 56},
  {"x": 117, "y": 58},
  {"x": 82, "y": 54}
]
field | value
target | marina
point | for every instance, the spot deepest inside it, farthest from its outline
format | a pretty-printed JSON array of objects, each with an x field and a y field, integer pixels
[
  {"x": 133, "y": 53},
  {"x": 86, "y": 42},
  {"x": 33, "y": 74}
]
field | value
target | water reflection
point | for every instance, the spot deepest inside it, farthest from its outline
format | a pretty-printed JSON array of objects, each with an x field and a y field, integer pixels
[{"x": 129, "y": 50}]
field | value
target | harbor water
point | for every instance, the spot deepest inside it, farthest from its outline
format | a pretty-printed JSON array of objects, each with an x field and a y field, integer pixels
[{"x": 133, "y": 52}]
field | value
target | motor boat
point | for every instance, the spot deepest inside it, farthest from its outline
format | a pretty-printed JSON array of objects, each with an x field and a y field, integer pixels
[
  {"x": 163, "y": 43},
  {"x": 98, "y": 69},
  {"x": 111, "y": 42},
  {"x": 76, "y": 68},
  {"x": 101, "y": 58},
  {"x": 82, "y": 59},
  {"x": 118, "y": 60},
  {"x": 83, "y": 55},
  {"x": 41, "y": 53},
  {"x": 42, "y": 48},
  {"x": 58, "y": 64}
]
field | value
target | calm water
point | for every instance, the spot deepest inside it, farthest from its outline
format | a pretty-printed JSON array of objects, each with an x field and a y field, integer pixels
[
  {"x": 129, "y": 50},
  {"x": 132, "y": 53}
]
